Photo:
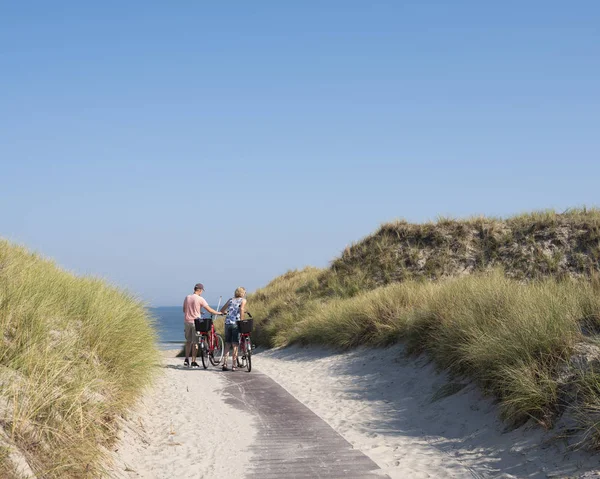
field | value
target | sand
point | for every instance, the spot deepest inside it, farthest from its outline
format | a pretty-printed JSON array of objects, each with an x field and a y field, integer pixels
[
  {"x": 410, "y": 420},
  {"x": 387, "y": 406},
  {"x": 182, "y": 428}
]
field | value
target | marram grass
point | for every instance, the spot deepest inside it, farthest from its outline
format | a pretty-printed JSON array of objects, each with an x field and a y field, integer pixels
[
  {"x": 507, "y": 335},
  {"x": 75, "y": 353},
  {"x": 507, "y": 321}
]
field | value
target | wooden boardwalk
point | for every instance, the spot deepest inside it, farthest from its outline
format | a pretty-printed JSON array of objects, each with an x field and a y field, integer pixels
[{"x": 292, "y": 441}]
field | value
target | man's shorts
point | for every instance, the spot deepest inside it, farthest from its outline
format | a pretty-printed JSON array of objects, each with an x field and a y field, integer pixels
[
  {"x": 190, "y": 332},
  {"x": 232, "y": 334}
]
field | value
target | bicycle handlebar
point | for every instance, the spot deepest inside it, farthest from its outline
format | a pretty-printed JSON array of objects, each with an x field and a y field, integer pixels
[{"x": 217, "y": 315}]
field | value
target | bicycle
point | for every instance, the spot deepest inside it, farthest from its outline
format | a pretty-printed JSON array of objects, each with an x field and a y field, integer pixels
[
  {"x": 244, "y": 356},
  {"x": 210, "y": 343}
]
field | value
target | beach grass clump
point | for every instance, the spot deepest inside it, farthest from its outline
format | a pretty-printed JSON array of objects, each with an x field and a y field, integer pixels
[
  {"x": 7, "y": 469},
  {"x": 484, "y": 320},
  {"x": 283, "y": 300},
  {"x": 75, "y": 353},
  {"x": 589, "y": 413},
  {"x": 378, "y": 317},
  {"x": 509, "y": 336}
]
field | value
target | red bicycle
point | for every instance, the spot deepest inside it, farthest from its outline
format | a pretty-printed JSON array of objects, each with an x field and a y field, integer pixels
[
  {"x": 210, "y": 343},
  {"x": 244, "y": 356}
]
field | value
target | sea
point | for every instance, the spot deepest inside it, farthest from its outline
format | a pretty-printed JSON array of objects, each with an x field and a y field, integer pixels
[{"x": 169, "y": 322}]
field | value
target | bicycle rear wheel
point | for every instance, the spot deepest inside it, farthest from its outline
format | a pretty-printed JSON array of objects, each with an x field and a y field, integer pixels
[{"x": 216, "y": 355}]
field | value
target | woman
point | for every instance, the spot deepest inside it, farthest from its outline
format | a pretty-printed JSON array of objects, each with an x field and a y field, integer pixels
[{"x": 235, "y": 309}]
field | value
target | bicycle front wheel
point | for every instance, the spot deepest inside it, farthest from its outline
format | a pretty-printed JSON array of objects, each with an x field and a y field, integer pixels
[
  {"x": 216, "y": 355},
  {"x": 203, "y": 353},
  {"x": 248, "y": 354}
]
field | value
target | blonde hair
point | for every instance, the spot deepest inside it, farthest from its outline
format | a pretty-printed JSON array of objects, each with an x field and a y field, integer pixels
[{"x": 240, "y": 292}]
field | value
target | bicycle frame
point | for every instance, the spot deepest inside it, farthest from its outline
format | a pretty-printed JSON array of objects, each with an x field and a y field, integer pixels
[
  {"x": 210, "y": 337},
  {"x": 210, "y": 344},
  {"x": 244, "y": 354},
  {"x": 243, "y": 337}
]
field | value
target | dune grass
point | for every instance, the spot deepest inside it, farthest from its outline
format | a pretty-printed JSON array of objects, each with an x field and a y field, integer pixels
[
  {"x": 510, "y": 337},
  {"x": 502, "y": 302},
  {"x": 75, "y": 354}
]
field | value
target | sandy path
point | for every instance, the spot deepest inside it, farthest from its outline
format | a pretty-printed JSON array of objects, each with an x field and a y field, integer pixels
[
  {"x": 183, "y": 429},
  {"x": 391, "y": 408},
  {"x": 381, "y": 402}
]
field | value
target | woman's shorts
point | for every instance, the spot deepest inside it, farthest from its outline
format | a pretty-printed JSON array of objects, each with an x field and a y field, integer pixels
[
  {"x": 232, "y": 334},
  {"x": 190, "y": 332}
]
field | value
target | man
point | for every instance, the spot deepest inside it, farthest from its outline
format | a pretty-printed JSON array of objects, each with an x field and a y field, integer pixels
[{"x": 192, "y": 309}]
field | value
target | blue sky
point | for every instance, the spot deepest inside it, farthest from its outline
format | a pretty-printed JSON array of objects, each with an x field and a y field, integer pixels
[{"x": 157, "y": 144}]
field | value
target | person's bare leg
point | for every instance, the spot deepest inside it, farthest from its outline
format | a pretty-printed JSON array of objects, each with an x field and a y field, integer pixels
[
  {"x": 234, "y": 354},
  {"x": 225, "y": 354},
  {"x": 188, "y": 345},
  {"x": 194, "y": 352}
]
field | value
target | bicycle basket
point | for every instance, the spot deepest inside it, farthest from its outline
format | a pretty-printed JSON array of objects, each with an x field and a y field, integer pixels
[
  {"x": 245, "y": 326},
  {"x": 203, "y": 324}
]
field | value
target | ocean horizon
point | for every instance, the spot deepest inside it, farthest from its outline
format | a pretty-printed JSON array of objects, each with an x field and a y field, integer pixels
[{"x": 169, "y": 323}]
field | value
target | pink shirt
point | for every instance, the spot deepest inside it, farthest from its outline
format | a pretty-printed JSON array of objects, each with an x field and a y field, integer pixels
[{"x": 192, "y": 307}]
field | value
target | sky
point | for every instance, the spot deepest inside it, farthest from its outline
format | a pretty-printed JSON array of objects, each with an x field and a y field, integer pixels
[{"x": 159, "y": 144}]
